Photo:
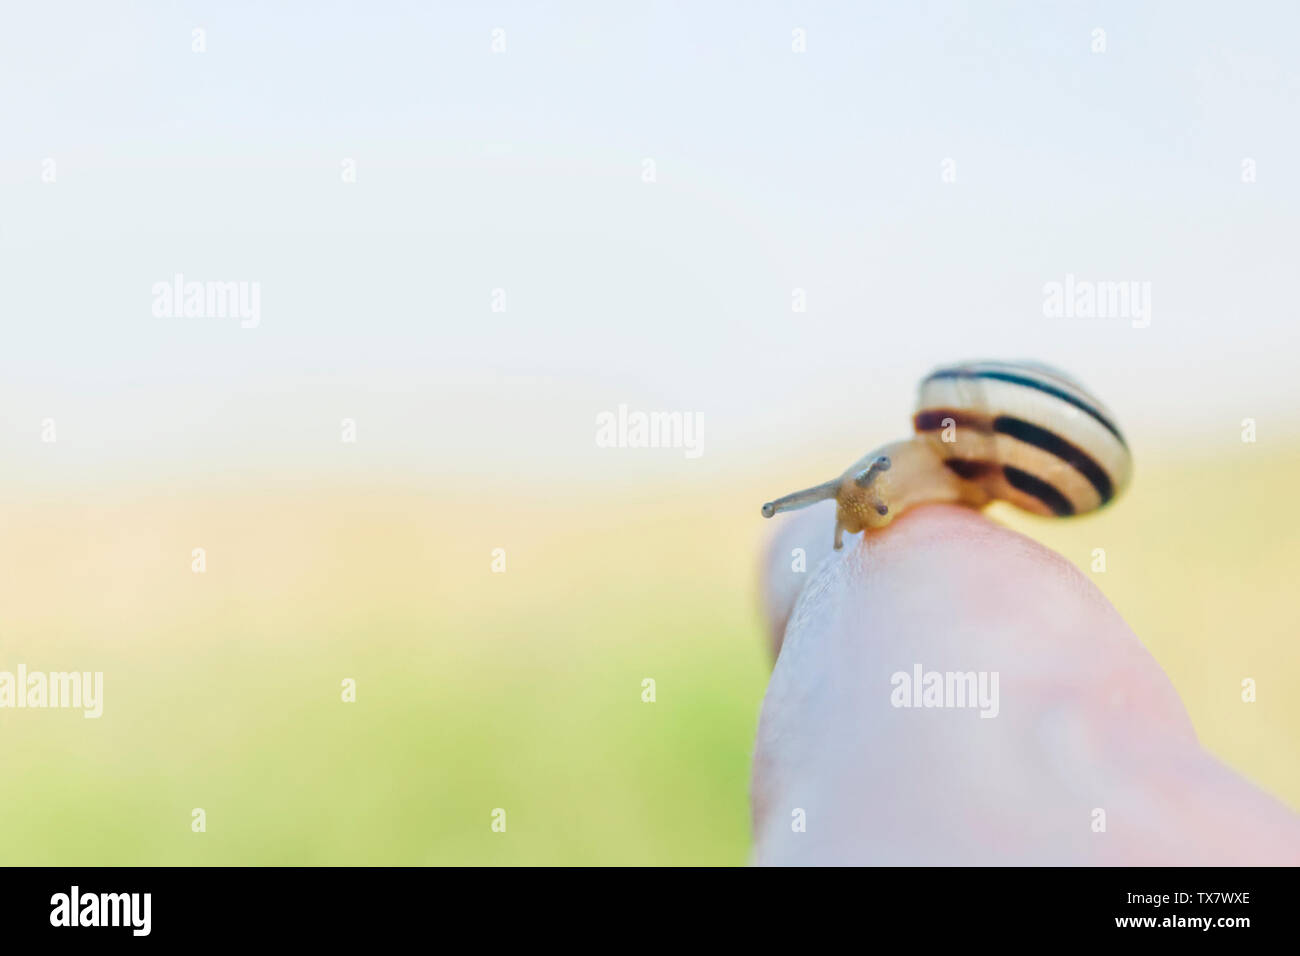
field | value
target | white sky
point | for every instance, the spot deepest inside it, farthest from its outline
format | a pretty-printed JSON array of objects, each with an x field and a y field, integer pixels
[{"x": 523, "y": 170}]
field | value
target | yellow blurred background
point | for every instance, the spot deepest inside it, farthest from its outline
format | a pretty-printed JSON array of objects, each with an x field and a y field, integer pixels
[{"x": 519, "y": 690}]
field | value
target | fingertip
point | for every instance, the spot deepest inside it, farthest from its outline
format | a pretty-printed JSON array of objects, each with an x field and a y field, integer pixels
[
  {"x": 933, "y": 549},
  {"x": 799, "y": 543}
]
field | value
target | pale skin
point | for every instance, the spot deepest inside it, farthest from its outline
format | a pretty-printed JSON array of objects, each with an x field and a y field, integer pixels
[{"x": 1087, "y": 718}]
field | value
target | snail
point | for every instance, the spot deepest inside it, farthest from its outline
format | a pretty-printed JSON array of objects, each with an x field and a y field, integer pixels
[{"x": 1020, "y": 432}]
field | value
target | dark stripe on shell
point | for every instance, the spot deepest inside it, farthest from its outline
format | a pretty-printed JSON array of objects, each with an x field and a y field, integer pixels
[
  {"x": 969, "y": 468},
  {"x": 1037, "y": 488},
  {"x": 932, "y": 419},
  {"x": 1051, "y": 442}
]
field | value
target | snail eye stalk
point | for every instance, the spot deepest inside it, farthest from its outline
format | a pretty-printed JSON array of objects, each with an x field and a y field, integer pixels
[
  {"x": 865, "y": 477},
  {"x": 802, "y": 499}
]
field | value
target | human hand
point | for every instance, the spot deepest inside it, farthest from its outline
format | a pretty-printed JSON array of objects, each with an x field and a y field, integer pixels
[{"x": 1083, "y": 718}]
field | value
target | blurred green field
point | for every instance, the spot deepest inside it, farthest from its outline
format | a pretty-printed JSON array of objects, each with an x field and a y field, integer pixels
[{"x": 520, "y": 690}]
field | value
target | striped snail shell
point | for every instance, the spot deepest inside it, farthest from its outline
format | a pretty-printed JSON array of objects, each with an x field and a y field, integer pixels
[{"x": 1020, "y": 432}]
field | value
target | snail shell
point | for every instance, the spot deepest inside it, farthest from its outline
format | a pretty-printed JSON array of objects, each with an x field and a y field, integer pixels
[
  {"x": 1020, "y": 432},
  {"x": 1026, "y": 433}
]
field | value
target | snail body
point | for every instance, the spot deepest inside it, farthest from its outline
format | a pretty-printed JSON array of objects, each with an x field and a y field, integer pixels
[{"x": 1019, "y": 432}]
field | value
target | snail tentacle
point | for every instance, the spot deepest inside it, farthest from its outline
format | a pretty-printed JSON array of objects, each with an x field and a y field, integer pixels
[{"x": 868, "y": 474}]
